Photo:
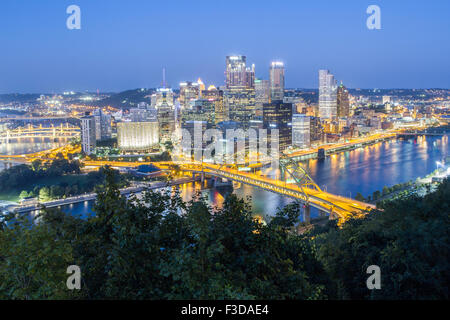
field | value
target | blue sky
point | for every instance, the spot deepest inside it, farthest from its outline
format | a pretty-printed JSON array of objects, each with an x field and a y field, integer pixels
[{"x": 125, "y": 44}]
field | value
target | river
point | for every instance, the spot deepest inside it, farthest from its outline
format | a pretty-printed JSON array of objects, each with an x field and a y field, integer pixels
[{"x": 363, "y": 170}]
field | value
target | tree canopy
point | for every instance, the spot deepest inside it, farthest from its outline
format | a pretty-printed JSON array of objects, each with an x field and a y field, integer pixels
[{"x": 160, "y": 247}]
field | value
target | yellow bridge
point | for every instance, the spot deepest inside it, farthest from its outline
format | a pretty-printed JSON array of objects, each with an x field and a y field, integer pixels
[
  {"x": 304, "y": 189},
  {"x": 30, "y": 131}
]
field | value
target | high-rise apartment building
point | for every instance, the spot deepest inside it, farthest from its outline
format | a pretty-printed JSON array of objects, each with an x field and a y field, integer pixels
[
  {"x": 327, "y": 95},
  {"x": 343, "y": 102},
  {"x": 88, "y": 136},
  {"x": 103, "y": 129},
  {"x": 276, "y": 76}
]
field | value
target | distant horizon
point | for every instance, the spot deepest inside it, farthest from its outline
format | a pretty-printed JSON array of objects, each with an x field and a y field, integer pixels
[
  {"x": 177, "y": 88},
  {"x": 126, "y": 44}
]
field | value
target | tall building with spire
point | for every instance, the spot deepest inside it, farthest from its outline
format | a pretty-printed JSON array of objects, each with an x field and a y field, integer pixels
[
  {"x": 327, "y": 95},
  {"x": 163, "y": 102},
  {"x": 276, "y": 79}
]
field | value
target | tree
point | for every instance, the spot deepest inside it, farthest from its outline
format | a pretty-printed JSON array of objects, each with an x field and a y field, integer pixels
[
  {"x": 44, "y": 194},
  {"x": 359, "y": 197},
  {"x": 408, "y": 241},
  {"x": 33, "y": 261},
  {"x": 24, "y": 194}
]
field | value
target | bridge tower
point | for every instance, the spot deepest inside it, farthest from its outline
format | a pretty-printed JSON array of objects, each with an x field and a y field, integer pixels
[{"x": 302, "y": 180}]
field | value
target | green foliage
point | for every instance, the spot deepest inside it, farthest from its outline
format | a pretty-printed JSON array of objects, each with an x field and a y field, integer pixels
[
  {"x": 58, "y": 179},
  {"x": 33, "y": 261},
  {"x": 160, "y": 247},
  {"x": 408, "y": 241}
]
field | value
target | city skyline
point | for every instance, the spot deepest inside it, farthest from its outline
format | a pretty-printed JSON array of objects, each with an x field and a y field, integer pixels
[{"x": 115, "y": 49}]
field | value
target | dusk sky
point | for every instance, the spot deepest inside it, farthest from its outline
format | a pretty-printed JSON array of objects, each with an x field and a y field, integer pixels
[{"x": 125, "y": 44}]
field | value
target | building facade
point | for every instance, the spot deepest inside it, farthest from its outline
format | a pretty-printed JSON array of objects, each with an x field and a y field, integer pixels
[
  {"x": 343, "y": 102},
  {"x": 262, "y": 95},
  {"x": 278, "y": 115},
  {"x": 103, "y": 129},
  {"x": 327, "y": 95},
  {"x": 137, "y": 136},
  {"x": 276, "y": 78},
  {"x": 301, "y": 131},
  {"x": 88, "y": 135}
]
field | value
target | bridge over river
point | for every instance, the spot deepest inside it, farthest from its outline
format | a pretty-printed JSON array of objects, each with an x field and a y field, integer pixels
[{"x": 305, "y": 190}]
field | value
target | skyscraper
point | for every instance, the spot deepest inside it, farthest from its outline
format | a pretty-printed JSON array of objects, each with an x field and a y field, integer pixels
[
  {"x": 343, "y": 103},
  {"x": 238, "y": 74},
  {"x": 163, "y": 102},
  {"x": 215, "y": 96},
  {"x": 239, "y": 96},
  {"x": 276, "y": 75},
  {"x": 327, "y": 95},
  {"x": 262, "y": 94},
  {"x": 88, "y": 136},
  {"x": 103, "y": 128},
  {"x": 301, "y": 131},
  {"x": 189, "y": 91},
  {"x": 278, "y": 115}
]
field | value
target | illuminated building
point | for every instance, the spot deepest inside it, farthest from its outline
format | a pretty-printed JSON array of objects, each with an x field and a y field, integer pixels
[
  {"x": 189, "y": 91},
  {"x": 137, "y": 136},
  {"x": 201, "y": 86},
  {"x": 240, "y": 104},
  {"x": 103, "y": 128},
  {"x": 215, "y": 96},
  {"x": 278, "y": 115},
  {"x": 327, "y": 95},
  {"x": 88, "y": 135},
  {"x": 163, "y": 102},
  {"x": 239, "y": 96},
  {"x": 201, "y": 110},
  {"x": 343, "y": 103},
  {"x": 238, "y": 74},
  {"x": 301, "y": 131},
  {"x": 262, "y": 94},
  {"x": 386, "y": 99},
  {"x": 316, "y": 129},
  {"x": 276, "y": 75},
  {"x": 199, "y": 127}
]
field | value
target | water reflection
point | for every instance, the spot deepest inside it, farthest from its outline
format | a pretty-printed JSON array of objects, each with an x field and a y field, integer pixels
[{"x": 363, "y": 170}]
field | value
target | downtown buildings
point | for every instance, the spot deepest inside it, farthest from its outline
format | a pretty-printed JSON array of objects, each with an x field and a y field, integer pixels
[
  {"x": 94, "y": 128},
  {"x": 327, "y": 95},
  {"x": 239, "y": 94}
]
